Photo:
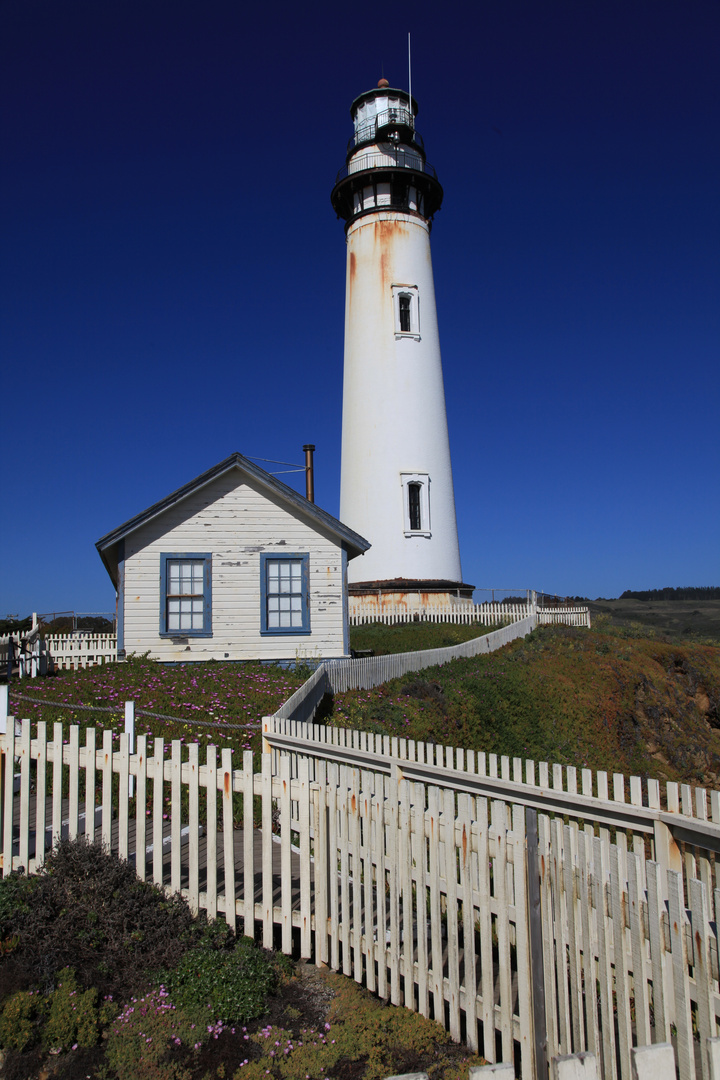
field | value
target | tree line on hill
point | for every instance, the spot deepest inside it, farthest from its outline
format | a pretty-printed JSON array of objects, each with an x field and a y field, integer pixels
[{"x": 700, "y": 592}]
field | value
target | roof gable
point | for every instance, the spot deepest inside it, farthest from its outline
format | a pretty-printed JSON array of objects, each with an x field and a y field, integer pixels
[{"x": 295, "y": 503}]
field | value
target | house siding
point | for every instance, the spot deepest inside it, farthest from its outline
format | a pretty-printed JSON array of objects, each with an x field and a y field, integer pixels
[{"x": 236, "y": 522}]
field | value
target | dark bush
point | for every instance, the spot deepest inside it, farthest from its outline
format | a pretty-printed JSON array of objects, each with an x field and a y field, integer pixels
[{"x": 87, "y": 909}]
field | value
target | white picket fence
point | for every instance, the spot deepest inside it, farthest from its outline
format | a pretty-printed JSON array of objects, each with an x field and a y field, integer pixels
[
  {"x": 490, "y": 614},
  {"x": 534, "y": 915},
  {"x": 80, "y": 650},
  {"x": 26, "y": 649}
]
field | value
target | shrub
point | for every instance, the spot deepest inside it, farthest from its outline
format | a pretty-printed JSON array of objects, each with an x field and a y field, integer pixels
[
  {"x": 74, "y": 1016},
  {"x": 231, "y": 984},
  {"x": 148, "y": 1034},
  {"x": 89, "y": 910},
  {"x": 19, "y": 1020}
]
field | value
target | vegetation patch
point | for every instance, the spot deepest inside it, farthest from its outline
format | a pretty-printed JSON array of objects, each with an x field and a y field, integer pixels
[
  {"x": 154, "y": 993},
  {"x": 222, "y": 694},
  {"x": 609, "y": 698},
  {"x": 381, "y": 639}
]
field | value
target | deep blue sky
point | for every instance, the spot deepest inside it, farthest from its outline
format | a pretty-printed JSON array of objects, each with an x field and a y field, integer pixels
[{"x": 172, "y": 273}]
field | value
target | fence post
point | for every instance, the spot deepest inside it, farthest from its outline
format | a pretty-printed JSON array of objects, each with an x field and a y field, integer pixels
[
  {"x": 537, "y": 969},
  {"x": 667, "y": 853},
  {"x": 4, "y": 694},
  {"x": 130, "y": 732}
]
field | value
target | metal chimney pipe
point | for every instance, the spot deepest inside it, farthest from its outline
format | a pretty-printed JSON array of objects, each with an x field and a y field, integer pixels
[{"x": 309, "y": 473}]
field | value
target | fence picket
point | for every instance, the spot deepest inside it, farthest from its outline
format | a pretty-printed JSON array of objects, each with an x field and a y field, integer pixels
[
  {"x": 158, "y": 778},
  {"x": 228, "y": 837},
  {"x": 211, "y": 790},
  {"x": 41, "y": 794}
]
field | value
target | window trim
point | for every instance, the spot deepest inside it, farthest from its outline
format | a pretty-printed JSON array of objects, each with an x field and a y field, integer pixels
[
  {"x": 411, "y": 292},
  {"x": 186, "y": 556},
  {"x": 303, "y": 557},
  {"x": 421, "y": 480}
]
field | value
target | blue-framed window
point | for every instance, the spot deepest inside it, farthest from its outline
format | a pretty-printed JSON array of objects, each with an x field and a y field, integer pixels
[
  {"x": 186, "y": 594},
  {"x": 285, "y": 594}
]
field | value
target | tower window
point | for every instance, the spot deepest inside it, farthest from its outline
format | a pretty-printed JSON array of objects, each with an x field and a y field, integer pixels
[
  {"x": 416, "y": 504},
  {"x": 407, "y": 311},
  {"x": 404, "y": 305}
]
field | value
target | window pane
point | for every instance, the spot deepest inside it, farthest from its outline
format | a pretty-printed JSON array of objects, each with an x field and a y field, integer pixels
[
  {"x": 414, "y": 505},
  {"x": 404, "y": 303}
]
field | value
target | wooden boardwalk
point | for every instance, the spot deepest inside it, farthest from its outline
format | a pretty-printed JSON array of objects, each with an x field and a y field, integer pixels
[{"x": 238, "y": 843}]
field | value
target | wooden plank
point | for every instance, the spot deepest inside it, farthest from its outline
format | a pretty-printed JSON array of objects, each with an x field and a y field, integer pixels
[
  {"x": 175, "y": 815},
  {"x": 451, "y": 887},
  {"x": 305, "y": 897},
  {"x": 522, "y": 944},
  {"x": 590, "y": 975},
  {"x": 368, "y": 949},
  {"x": 564, "y": 1030},
  {"x": 575, "y": 997},
  {"x": 653, "y": 1062},
  {"x": 25, "y": 762},
  {"x": 405, "y": 867},
  {"x": 391, "y": 822},
  {"x": 123, "y": 770},
  {"x": 266, "y": 788},
  {"x": 468, "y": 910},
  {"x": 322, "y": 869},
  {"x": 158, "y": 775},
  {"x": 609, "y": 1060},
  {"x": 284, "y": 806},
  {"x": 332, "y": 863},
  {"x": 228, "y": 839},
  {"x": 73, "y": 754},
  {"x": 107, "y": 781},
  {"x": 702, "y": 970},
  {"x": 194, "y": 827},
  {"x": 420, "y": 857},
  {"x": 7, "y": 768},
  {"x": 487, "y": 979},
  {"x": 639, "y": 951},
  {"x": 41, "y": 794},
  {"x": 656, "y": 908},
  {"x": 57, "y": 783},
  {"x": 436, "y": 951},
  {"x": 345, "y": 914},
  {"x": 498, "y": 839},
  {"x": 357, "y": 874},
  {"x": 140, "y": 807},
  {"x": 378, "y": 838},
  {"x": 247, "y": 785},
  {"x": 552, "y": 1047},
  {"x": 622, "y": 989},
  {"x": 683, "y": 1018},
  {"x": 211, "y": 790}
]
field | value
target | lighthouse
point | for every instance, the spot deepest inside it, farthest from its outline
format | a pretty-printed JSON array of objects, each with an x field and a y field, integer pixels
[{"x": 396, "y": 484}]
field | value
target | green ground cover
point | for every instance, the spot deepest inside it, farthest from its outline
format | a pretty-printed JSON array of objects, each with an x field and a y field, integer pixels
[
  {"x": 607, "y": 698},
  {"x": 411, "y": 637},
  {"x": 226, "y": 694}
]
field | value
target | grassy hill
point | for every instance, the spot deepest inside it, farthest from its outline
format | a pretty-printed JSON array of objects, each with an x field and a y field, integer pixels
[
  {"x": 687, "y": 619},
  {"x": 609, "y": 698}
]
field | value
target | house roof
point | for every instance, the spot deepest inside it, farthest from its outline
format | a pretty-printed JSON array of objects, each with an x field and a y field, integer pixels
[{"x": 354, "y": 543}]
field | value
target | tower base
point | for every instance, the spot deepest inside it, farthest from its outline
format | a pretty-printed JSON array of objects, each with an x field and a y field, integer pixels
[{"x": 377, "y": 598}]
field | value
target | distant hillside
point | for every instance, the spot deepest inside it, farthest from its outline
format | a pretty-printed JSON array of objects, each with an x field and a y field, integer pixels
[
  {"x": 700, "y": 592},
  {"x": 684, "y": 620}
]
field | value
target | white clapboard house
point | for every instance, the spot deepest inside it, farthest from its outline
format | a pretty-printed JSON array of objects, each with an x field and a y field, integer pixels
[{"x": 234, "y": 565}]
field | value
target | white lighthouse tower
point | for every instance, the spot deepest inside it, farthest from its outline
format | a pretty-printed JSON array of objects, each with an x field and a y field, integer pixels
[{"x": 396, "y": 483}]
